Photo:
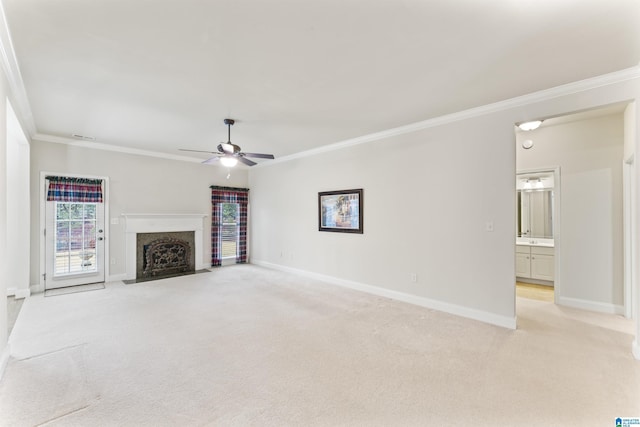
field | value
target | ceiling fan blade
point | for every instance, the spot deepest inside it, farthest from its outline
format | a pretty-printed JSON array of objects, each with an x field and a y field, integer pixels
[
  {"x": 246, "y": 161},
  {"x": 211, "y": 160},
  {"x": 197, "y": 151},
  {"x": 259, "y": 155}
]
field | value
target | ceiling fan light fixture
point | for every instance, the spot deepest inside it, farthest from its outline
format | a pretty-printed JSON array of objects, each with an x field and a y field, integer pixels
[
  {"x": 526, "y": 126},
  {"x": 228, "y": 161},
  {"x": 230, "y": 154}
]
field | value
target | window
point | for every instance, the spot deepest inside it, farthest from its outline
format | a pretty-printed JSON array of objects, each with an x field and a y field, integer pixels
[
  {"x": 229, "y": 232},
  {"x": 229, "y": 208}
]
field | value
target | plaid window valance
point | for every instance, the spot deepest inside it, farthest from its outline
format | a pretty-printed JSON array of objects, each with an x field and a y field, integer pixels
[
  {"x": 229, "y": 195},
  {"x": 76, "y": 190}
]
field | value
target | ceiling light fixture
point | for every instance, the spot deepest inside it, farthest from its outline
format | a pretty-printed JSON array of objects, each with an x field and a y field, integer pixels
[
  {"x": 530, "y": 125},
  {"x": 228, "y": 161}
]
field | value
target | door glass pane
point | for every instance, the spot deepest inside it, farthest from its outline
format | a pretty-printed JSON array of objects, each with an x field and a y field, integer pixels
[
  {"x": 75, "y": 231},
  {"x": 90, "y": 211},
  {"x": 76, "y": 210},
  {"x": 62, "y": 210},
  {"x": 62, "y": 246},
  {"x": 229, "y": 230}
]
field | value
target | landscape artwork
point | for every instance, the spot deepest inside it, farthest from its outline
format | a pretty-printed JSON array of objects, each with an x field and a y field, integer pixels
[{"x": 340, "y": 211}]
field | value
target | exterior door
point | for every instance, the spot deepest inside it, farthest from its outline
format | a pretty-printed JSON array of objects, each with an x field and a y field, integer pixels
[
  {"x": 74, "y": 244},
  {"x": 229, "y": 232}
]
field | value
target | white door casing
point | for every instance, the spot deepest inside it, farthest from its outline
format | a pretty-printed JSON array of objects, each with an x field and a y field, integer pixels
[{"x": 98, "y": 270}]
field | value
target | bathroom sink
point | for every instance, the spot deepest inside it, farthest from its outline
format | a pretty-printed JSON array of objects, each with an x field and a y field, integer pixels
[{"x": 546, "y": 243}]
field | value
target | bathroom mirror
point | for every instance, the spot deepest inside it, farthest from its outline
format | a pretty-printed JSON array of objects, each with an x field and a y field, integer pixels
[{"x": 535, "y": 213}]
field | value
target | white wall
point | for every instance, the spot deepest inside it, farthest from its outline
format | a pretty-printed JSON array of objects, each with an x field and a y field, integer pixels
[
  {"x": 591, "y": 250},
  {"x": 138, "y": 184},
  {"x": 4, "y": 348},
  {"x": 629, "y": 130},
  {"x": 17, "y": 207},
  {"x": 427, "y": 197}
]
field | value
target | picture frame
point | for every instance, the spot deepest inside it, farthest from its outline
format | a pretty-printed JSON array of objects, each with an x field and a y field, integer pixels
[{"x": 340, "y": 211}]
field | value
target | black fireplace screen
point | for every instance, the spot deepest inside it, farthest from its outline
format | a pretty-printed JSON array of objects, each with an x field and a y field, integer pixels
[{"x": 166, "y": 256}]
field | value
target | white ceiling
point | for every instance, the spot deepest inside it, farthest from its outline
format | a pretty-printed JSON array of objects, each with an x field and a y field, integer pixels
[{"x": 160, "y": 75}]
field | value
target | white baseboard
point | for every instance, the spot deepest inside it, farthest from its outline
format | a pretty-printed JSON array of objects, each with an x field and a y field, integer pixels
[
  {"x": 600, "y": 307},
  {"x": 117, "y": 277},
  {"x": 18, "y": 293},
  {"x": 470, "y": 313},
  {"x": 635, "y": 349},
  {"x": 22, "y": 293},
  {"x": 4, "y": 359}
]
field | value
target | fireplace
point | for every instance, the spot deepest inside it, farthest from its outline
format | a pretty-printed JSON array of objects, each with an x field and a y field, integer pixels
[
  {"x": 168, "y": 253},
  {"x": 161, "y": 255}
]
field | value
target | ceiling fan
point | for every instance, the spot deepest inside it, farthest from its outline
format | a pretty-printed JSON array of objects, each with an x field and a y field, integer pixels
[{"x": 229, "y": 154}]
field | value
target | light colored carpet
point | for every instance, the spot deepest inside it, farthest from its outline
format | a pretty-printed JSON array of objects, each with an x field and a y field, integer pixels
[
  {"x": 247, "y": 346},
  {"x": 13, "y": 309}
]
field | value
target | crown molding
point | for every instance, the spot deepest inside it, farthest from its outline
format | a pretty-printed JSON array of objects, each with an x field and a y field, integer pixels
[
  {"x": 108, "y": 147},
  {"x": 543, "y": 95},
  {"x": 23, "y": 109},
  {"x": 14, "y": 77}
]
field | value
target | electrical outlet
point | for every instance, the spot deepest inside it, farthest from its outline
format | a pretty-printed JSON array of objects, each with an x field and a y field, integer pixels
[
  {"x": 113, "y": 261},
  {"x": 488, "y": 226},
  {"x": 414, "y": 277}
]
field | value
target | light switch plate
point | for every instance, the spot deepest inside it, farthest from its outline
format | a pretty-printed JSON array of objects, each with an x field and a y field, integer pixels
[{"x": 488, "y": 226}]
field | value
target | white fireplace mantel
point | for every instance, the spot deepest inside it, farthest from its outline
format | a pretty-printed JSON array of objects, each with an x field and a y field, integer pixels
[{"x": 160, "y": 223}]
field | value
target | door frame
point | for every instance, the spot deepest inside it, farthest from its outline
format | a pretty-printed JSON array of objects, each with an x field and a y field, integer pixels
[
  {"x": 629, "y": 213},
  {"x": 43, "y": 218}
]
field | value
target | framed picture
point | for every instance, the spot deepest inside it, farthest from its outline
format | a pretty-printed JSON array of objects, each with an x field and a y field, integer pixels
[{"x": 340, "y": 211}]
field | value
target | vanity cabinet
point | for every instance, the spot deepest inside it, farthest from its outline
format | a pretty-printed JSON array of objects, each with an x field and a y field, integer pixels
[
  {"x": 523, "y": 262},
  {"x": 535, "y": 262}
]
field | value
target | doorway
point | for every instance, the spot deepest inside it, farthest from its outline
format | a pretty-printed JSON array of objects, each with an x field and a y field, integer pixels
[
  {"x": 229, "y": 232},
  {"x": 588, "y": 148},
  {"x": 537, "y": 231},
  {"x": 74, "y": 231}
]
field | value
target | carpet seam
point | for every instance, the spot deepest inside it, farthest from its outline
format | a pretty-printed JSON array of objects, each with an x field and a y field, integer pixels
[
  {"x": 62, "y": 416},
  {"x": 51, "y": 352}
]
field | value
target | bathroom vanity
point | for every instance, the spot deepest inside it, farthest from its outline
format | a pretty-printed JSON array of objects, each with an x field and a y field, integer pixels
[{"x": 535, "y": 261}]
